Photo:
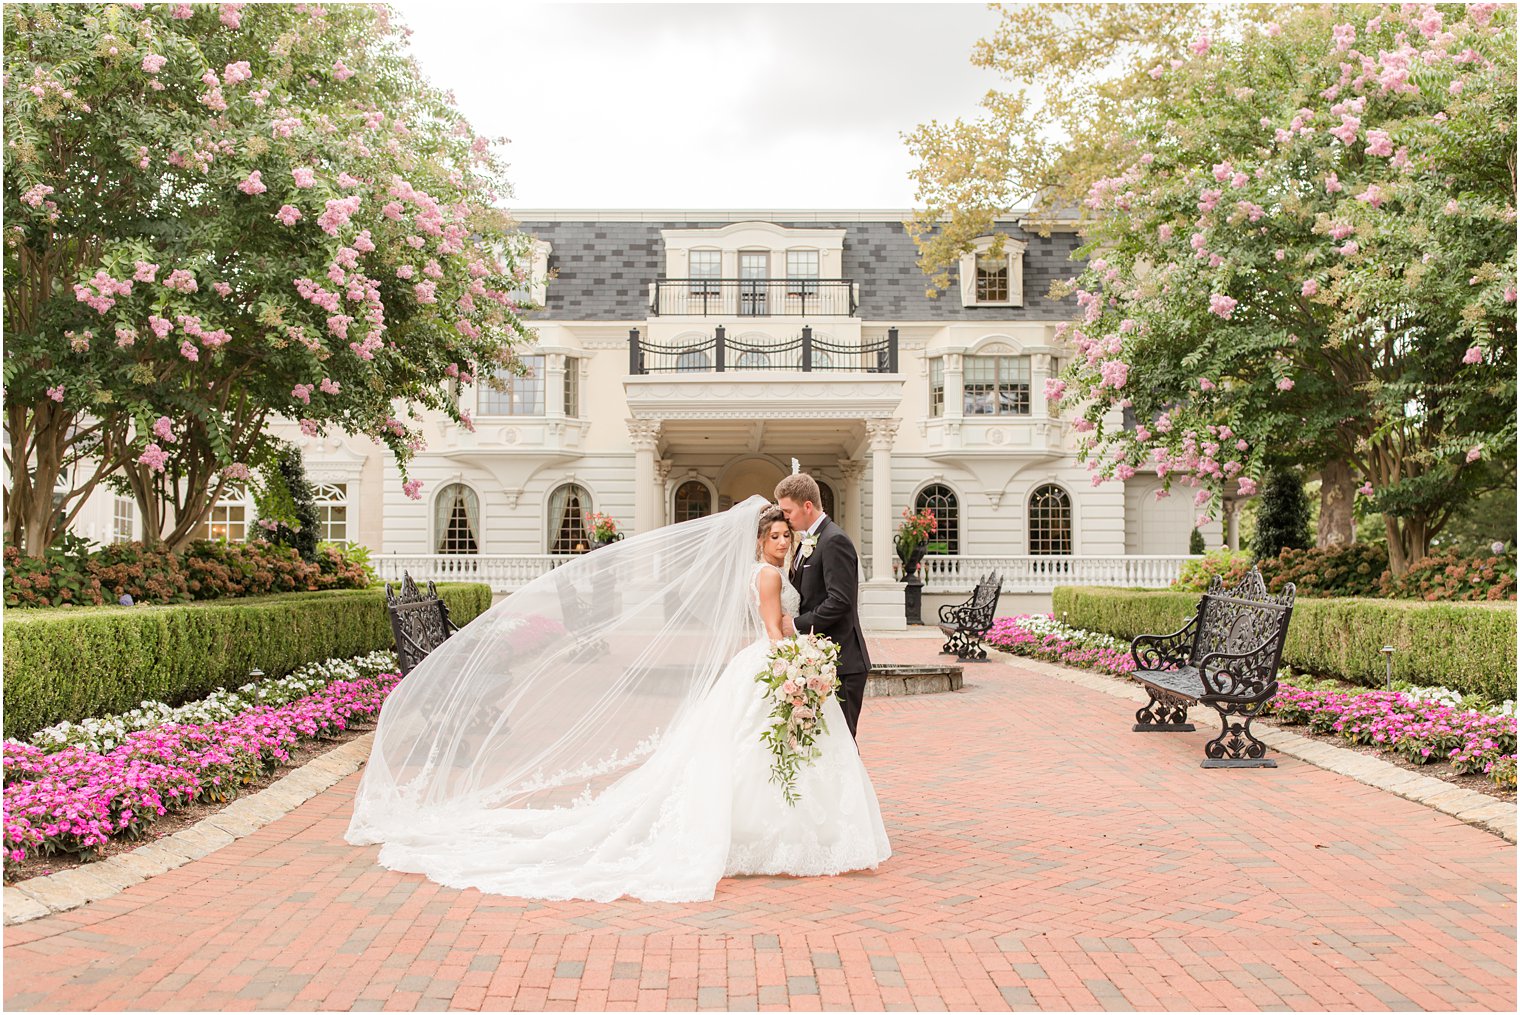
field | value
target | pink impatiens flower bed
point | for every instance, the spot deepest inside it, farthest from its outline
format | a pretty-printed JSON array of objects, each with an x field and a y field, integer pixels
[
  {"x": 73, "y": 800},
  {"x": 1415, "y": 728}
]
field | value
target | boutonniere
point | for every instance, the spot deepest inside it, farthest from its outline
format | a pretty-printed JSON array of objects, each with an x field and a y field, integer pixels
[{"x": 808, "y": 542}]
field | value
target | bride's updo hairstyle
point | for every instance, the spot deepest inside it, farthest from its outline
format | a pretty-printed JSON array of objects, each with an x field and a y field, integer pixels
[{"x": 768, "y": 517}]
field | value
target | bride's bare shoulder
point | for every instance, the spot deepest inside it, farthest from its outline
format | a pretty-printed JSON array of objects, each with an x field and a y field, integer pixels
[{"x": 767, "y": 578}]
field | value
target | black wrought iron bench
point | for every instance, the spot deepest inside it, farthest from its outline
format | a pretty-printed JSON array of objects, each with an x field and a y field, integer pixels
[
  {"x": 1227, "y": 658},
  {"x": 420, "y": 622},
  {"x": 965, "y": 624}
]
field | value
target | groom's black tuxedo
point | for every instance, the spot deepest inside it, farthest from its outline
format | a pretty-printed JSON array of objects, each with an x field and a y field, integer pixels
[{"x": 829, "y": 581}]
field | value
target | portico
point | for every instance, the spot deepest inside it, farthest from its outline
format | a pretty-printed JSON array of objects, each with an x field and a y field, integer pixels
[{"x": 736, "y": 434}]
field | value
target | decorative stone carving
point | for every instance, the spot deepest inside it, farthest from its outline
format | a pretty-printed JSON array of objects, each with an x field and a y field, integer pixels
[
  {"x": 882, "y": 432},
  {"x": 644, "y": 433}
]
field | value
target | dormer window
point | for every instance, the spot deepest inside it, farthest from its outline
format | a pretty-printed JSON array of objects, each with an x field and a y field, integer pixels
[
  {"x": 706, "y": 267},
  {"x": 802, "y": 272},
  {"x": 989, "y": 279}
]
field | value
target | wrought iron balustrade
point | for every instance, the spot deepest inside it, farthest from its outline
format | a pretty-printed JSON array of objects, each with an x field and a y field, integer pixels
[
  {"x": 753, "y": 297},
  {"x": 803, "y": 352}
]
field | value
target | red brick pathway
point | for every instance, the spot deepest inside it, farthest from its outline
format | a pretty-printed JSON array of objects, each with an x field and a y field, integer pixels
[{"x": 1045, "y": 858}]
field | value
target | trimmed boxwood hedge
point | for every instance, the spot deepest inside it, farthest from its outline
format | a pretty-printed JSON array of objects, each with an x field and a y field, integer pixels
[
  {"x": 1469, "y": 647},
  {"x": 77, "y": 662}
]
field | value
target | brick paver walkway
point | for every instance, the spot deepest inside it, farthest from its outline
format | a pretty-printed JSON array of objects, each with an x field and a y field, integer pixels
[{"x": 1045, "y": 857}]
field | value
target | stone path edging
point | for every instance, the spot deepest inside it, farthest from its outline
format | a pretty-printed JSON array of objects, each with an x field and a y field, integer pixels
[
  {"x": 1466, "y": 805},
  {"x": 57, "y": 893}
]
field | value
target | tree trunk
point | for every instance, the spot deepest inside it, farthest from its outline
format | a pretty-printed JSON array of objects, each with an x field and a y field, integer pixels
[
  {"x": 1337, "y": 488},
  {"x": 1408, "y": 542}
]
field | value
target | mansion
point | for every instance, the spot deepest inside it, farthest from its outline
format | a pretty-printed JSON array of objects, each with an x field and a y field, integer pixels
[{"x": 684, "y": 359}]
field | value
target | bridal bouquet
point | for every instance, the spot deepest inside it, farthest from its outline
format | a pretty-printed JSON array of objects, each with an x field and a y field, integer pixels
[{"x": 799, "y": 676}]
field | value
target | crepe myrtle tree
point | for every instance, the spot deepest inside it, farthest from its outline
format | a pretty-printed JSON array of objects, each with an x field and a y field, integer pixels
[
  {"x": 1309, "y": 253},
  {"x": 216, "y": 215}
]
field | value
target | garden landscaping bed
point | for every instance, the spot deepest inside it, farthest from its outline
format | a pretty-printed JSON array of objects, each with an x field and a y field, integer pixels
[{"x": 177, "y": 821}]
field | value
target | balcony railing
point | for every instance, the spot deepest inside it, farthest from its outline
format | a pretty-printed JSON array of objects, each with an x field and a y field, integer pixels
[
  {"x": 720, "y": 354},
  {"x": 753, "y": 297},
  {"x": 503, "y": 572}
]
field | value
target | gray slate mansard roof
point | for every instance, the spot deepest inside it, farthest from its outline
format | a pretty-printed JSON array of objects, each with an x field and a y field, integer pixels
[{"x": 604, "y": 265}]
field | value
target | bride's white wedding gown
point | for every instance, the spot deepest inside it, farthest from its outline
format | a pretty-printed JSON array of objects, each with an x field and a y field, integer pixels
[{"x": 700, "y": 808}]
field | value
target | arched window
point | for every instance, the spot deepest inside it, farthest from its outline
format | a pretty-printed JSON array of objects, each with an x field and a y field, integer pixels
[
  {"x": 826, "y": 494},
  {"x": 568, "y": 507},
  {"x": 1049, "y": 520},
  {"x": 456, "y": 519},
  {"x": 693, "y": 362},
  {"x": 332, "y": 512},
  {"x": 753, "y": 360},
  {"x": 940, "y": 499},
  {"x": 693, "y": 500}
]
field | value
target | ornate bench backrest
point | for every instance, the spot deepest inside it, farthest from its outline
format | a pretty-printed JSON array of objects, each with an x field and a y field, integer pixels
[
  {"x": 420, "y": 622},
  {"x": 1241, "y": 619},
  {"x": 984, "y": 600}
]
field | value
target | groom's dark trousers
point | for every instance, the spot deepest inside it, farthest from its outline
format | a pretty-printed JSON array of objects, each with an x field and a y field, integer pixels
[{"x": 829, "y": 583}]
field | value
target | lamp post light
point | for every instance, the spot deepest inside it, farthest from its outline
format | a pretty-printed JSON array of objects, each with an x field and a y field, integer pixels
[{"x": 1387, "y": 651}]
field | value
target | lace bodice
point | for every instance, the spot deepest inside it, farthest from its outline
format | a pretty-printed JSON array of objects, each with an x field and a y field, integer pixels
[{"x": 791, "y": 599}]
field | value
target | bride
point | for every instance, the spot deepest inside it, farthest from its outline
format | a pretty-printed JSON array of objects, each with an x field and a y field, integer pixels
[{"x": 597, "y": 734}]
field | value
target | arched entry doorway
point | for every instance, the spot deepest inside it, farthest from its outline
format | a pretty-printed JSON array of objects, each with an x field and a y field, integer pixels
[{"x": 745, "y": 478}]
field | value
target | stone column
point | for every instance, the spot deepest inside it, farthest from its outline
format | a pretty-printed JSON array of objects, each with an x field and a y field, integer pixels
[
  {"x": 554, "y": 385},
  {"x": 881, "y": 599},
  {"x": 1039, "y": 372},
  {"x": 644, "y": 434},
  {"x": 849, "y": 512},
  {"x": 1232, "y": 516},
  {"x": 661, "y": 498},
  {"x": 955, "y": 395}
]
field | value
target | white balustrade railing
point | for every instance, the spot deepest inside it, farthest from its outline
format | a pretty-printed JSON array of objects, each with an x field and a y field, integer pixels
[
  {"x": 504, "y": 572},
  {"x": 508, "y": 572},
  {"x": 1039, "y": 573}
]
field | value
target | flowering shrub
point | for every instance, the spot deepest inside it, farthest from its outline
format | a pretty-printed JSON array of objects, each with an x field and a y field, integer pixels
[
  {"x": 1360, "y": 569},
  {"x": 72, "y": 574},
  {"x": 1451, "y": 577},
  {"x": 914, "y": 531},
  {"x": 74, "y": 799},
  {"x": 1040, "y": 636}
]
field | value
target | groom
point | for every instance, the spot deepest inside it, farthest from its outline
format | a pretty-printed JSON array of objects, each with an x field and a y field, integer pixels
[{"x": 825, "y": 572}]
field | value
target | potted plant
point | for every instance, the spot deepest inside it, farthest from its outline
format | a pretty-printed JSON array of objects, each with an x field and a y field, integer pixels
[
  {"x": 913, "y": 534},
  {"x": 602, "y": 529}
]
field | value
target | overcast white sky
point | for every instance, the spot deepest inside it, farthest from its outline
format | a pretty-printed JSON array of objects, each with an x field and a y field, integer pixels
[{"x": 704, "y": 105}]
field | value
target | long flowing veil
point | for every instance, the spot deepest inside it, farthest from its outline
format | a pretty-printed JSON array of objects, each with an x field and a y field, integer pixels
[{"x": 550, "y": 696}]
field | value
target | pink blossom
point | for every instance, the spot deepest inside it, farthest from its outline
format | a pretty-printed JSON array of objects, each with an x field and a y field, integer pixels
[
  {"x": 1379, "y": 143},
  {"x": 180, "y": 280},
  {"x": 341, "y": 72},
  {"x": 35, "y": 195},
  {"x": 230, "y": 15},
  {"x": 1200, "y": 45},
  {"x": 288, "y": 214},
  {"x": 345, "y": 180},
  {"x": 304, "y": 176},
  {"x": 1332, "y": 185},
  {"x": 1222, "y": 171},
  {"x": 237, "y": 470},
  {"x": 154, "y": 457},
  {"x": 125, "y": 336},
  {"x": 145, "y": 272},
  {"x": 1348, "y": 249},
  {"x": 1474, "y": 453},
  {"x": 1479, "y": 14},
  {"x": 1209, "y": 199},
  {"x": 163, "y": 429},
  {"x": 413, "y": 489},
  {"x": 1473, "y": 355},
  {"x": 223, "y": 289},
  {"x": 1239, "y": 180},
  {"x": 56, "y": 393},
  {"x": 235, "y": 73},
  {"x": 1344, "y": 35},
  {"x": 1451, "y": 207},
  {"x": 310, "y": 428},
  {"x": 1285, "y": 384},
  {"x": 1365, "y": 489},
  {"x": 1246, "y": 486},
  {"x": 1348, "y": 129},
  {"x": 1455, "y": 88},
  {"x": 1310, "y": 287},
  {"x": 338, "y": 212},
  {"x": 1165, "y": 233},
  {"x": 161, "y": 326},
  {"x": 1273, "y": 29},
  {"x": 330, "y": 386},
  {"x": 153, "y": 63},
  {"x": 1341, "y": 230},
  {"x": 1509, "y": 293},
  {"x": 1400, "y": 158},
  {"x": 302, "y": 392},
  {"x": 1221, "y": 305},
  {"x": 253, "y": 184},
  {"x": 1115, "y": 373},
  {"x": 188, "y": 350},
  {"x": 1204, "y": 384},
  {"x": 1373, "y": 195}
]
